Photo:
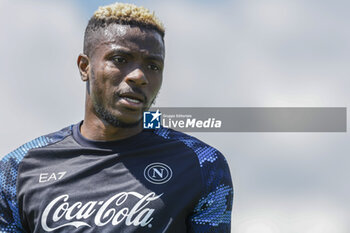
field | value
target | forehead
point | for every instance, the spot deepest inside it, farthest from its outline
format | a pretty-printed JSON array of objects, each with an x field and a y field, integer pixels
[{"x": 133, "y": 38}]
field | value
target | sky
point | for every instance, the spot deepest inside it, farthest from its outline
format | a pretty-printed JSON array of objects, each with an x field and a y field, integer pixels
[{"x": 241, "y": 53}]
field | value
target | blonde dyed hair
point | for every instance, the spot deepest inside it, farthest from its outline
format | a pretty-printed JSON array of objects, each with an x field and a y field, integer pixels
[
  {"x": 126, "y": 12},
  {"x": 120, "y": 13}
]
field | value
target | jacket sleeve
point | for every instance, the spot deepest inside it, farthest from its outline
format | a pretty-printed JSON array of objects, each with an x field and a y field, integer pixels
[
  {"x": 9, "y": 215},
  {"x": 212, "y": 214}
]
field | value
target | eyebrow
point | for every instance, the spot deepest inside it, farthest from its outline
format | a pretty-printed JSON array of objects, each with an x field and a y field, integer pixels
[
  {"x": 120, "y": 50},
  {"x": 128, "y": 52},
  {"x": 155, "y": 57}
]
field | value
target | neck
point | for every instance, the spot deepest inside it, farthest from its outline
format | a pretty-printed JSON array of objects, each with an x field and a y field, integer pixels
[{"x": 99, "y": 130}]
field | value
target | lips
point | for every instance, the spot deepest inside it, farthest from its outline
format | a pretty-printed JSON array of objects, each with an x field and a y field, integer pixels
[
  {"x": 132, "y": 99},
  {"x": 136, "y": 101},
  {"x": 132, "y": 96}
]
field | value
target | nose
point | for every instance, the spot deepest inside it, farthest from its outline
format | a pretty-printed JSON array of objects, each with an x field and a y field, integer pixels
[{"x": 137, "y": 77}]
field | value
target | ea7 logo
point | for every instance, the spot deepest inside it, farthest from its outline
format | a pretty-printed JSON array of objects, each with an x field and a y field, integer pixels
[
  {"x": 158, "y": 173},
  {"x": 46, "y": 177}
]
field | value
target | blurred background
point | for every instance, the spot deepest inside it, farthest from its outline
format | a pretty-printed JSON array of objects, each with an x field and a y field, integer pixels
[{"x": 238, "y": 53}]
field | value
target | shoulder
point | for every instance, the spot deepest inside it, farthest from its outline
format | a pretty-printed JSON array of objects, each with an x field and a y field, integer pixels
[
  {"x": 9, "y": 165},
  {"x": 213, "y": 165},
  {"x": 14, "y": 158},
  {"x": 212, "y": 209},
  {"x": 205, "y": 153}
]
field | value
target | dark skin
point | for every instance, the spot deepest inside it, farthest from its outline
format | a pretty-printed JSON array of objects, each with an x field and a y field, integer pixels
[{"x": 124, "y": 73}]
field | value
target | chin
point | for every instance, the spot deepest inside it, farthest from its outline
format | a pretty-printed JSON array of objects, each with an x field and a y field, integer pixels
[
  {"x": 122, "y": 122},
  {"x": 120, "y": 119}
]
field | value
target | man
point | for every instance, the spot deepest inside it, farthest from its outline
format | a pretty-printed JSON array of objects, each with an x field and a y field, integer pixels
[{"x": 107, "y": 174}]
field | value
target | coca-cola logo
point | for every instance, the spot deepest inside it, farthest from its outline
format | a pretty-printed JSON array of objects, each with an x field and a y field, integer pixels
[{"x": 63, "y": 214}]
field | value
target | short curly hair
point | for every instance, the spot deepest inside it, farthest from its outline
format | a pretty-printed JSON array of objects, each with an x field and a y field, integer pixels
[{"x": 120, "y": 13}]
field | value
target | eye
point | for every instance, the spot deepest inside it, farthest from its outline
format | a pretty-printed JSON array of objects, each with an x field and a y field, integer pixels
[
  {"x": 119, "y": 59},
  {"x": 153, "y": 67}
]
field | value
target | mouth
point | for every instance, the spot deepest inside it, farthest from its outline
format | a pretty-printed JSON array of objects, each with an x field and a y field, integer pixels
[
  {"x": 132, "y": 100},
  {"x": 136, "y": 101}
]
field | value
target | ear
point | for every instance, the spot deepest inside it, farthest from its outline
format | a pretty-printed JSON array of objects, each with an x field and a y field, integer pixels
[{"x": 83, "y": 63}]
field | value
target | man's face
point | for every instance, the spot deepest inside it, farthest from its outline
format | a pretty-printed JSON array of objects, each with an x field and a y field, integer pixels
[{"x": 126, "y": 67}]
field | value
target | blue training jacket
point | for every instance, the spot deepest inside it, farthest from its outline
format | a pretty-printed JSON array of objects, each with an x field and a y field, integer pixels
[{"x": 158, "y": 181}]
